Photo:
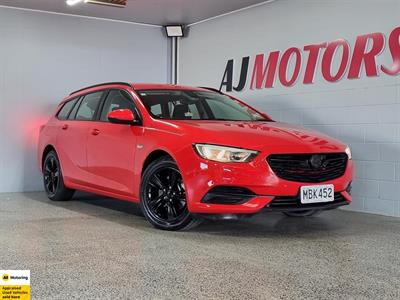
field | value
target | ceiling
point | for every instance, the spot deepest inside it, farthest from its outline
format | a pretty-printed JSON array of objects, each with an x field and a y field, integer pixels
[{"x": 159, "y": 12}]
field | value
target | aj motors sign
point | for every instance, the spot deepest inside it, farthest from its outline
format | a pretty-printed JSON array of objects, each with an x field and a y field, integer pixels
[{"x": 263, "y": 69}]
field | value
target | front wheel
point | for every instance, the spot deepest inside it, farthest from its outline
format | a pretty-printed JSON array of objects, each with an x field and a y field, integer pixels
[
  {"x": 302, "y": 213},
  {"x": 53, "y": 179},
  {"x": 163, "y": 196}
]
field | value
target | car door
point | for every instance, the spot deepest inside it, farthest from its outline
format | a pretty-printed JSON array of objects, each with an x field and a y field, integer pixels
[
  {"x": 72, "y": 138},
  {"x": 111, "y": 147}
]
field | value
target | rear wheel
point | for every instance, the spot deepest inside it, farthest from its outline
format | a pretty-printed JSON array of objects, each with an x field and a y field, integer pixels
[
  {"x": 302, "y": 213},
  {"x": 163, "y": 196},
  {"x": 53, "y": 179}
]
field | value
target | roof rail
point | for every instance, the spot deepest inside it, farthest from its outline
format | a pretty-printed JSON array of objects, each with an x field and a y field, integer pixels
[
  {"x": 211, "y": 89},
  {"x": 100, "y": 84}
]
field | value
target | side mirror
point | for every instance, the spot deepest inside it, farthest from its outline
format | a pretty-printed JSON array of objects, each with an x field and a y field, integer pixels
[{"x": 122, "y": 116}]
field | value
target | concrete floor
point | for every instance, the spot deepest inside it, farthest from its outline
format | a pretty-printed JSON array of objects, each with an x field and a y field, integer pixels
[{"x": 94, "y": 247}]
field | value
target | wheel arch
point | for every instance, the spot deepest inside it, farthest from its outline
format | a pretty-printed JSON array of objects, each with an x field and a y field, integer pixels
[
  {"x": 152, "y": 156},
  {"x": 46, "y": 150}
]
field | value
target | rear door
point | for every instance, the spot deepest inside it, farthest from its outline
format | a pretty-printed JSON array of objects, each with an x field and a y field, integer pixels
[
  {"x": 111, "y": 147},
  {"x": 72, "y": 138}
]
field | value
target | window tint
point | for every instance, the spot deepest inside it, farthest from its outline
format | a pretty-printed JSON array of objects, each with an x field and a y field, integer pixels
[
  {"x": 64, "y": 112},
  {"x": 224, "y": 110},
  {"x": 156, "y": 110},
  {"x": 88, "y": 106},
  {"x": 116, "y": 99},
  {"x": 74, "y": 110},
  {"x": 194, "y": 111},
  {"x": 197, "y": 105}
]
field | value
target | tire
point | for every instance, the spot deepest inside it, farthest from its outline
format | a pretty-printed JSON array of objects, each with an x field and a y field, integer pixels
[
  {"x": 53, "y": 180},
  {"x": 302, "y": 213},
  {"x": 163, "y": 197}
]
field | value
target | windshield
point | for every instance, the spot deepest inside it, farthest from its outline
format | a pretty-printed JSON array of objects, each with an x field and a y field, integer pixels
[{"x": 196, "y": 105}]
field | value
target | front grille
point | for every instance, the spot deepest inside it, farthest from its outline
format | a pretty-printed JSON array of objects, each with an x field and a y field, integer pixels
[
  {"x": 288, "y": 203},
  {"x": 308, "y": 167}
]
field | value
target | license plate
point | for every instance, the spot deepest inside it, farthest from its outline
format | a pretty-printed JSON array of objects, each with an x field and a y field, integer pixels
[{"x": 317, "y": 193}]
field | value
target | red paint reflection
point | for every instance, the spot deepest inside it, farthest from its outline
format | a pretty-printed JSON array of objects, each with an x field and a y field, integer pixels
[{"x": 32, "y": 128}]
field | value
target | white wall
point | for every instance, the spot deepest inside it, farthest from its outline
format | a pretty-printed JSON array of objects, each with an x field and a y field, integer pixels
[
  {"x": 45, "y": 56},
  {"x": 365, "y": 112}
]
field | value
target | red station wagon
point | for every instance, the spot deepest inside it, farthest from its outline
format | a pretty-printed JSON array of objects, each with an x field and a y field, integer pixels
[{"x": 185, "y": 152}]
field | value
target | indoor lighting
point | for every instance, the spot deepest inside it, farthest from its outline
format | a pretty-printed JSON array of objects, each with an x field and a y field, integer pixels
[
  {"x": 174, "y": 31},
  {"x": 114, "y": 3},
  {"x": 73, "y": 2}
]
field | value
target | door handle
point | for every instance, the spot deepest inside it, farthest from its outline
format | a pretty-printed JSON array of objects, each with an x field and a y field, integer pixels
[
  {"x": 95, "y": 132},
  {"x": 64, "y": 127}
]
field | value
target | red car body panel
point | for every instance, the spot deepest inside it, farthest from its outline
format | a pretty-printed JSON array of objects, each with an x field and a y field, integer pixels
[{"x": 108, "y": 159}]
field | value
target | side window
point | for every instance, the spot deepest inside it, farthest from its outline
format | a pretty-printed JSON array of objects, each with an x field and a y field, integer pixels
[
  {"x": 156, "y": 110},
  {"x": 88, "y": 106},
  {"x": 194, "y": 111},
  {"x": 65, "y": 110},
  {"x": 75, "y": 109},
  {"x": 182, "y": 110},
  {"x": 117, "y": 99}
]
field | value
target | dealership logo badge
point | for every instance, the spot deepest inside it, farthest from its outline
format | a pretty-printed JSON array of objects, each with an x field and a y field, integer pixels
[
  {"x": 352, "y": 62},
  {"x": 15, "y": 284}
]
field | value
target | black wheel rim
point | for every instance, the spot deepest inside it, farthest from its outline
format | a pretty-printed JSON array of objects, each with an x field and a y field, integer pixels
[
  {"x": 51, "y": 175},
  {"x": 166, "y": 197}
]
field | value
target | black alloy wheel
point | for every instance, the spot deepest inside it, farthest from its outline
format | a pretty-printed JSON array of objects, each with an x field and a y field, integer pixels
[
  {"x": 53, "y": 180},
  {"x": 51, "y": 175},
  {"x": 163, "y": 196}
]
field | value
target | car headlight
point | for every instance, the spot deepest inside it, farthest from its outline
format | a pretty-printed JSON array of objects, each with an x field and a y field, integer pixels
[
  {"x": 348, "y": 152},
  {"x": 225, "y": 154}
]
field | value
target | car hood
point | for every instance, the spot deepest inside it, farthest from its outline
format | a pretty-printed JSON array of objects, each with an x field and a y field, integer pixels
[{"x": 257, "y": 135}]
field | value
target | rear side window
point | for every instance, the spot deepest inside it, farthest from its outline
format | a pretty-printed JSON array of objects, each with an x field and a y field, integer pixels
[
  {"x": 88, "y": 106},
  {"x": 72, "y": 114},
  {"x": 65, "y": 110}
]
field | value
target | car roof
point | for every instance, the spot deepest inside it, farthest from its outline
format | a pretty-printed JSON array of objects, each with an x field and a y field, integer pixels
[
  {"x": 135, "y": 86},
  {"x": 142, "y": 86},
  {"x": 158, "y": 86}
]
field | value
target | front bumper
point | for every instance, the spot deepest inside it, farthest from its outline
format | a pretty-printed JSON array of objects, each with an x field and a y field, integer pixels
[
  {"x": 281, "y": 204},
  {"x": 201, "y": 178}
]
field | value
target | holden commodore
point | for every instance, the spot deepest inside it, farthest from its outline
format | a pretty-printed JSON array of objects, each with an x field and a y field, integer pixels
[{"x": 185, "y": 152}]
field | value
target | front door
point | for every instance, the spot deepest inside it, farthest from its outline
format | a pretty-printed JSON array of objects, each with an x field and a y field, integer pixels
[{"x": 111, "y": 148}]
